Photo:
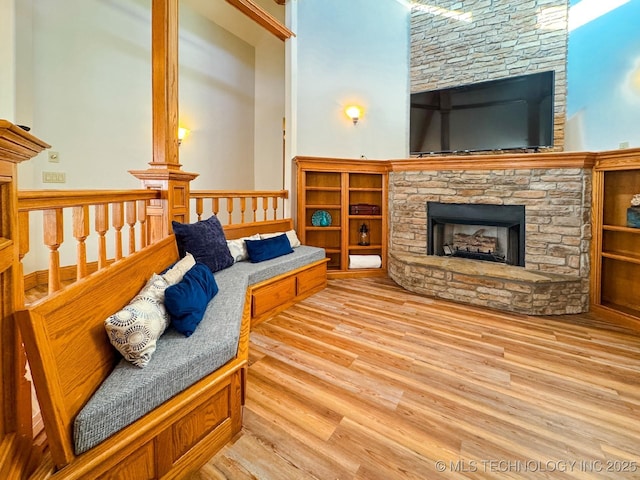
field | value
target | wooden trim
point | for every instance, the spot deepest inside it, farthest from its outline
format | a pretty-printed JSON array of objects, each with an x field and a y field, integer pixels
[
  {"x": 16, "y": 144},
  {"x": 239, "y": 193},
  {"x": 618, "y": 160},
  {"x": 498, "y": 162},
  {"x": 597, "y": 190},
  {"x": 239, "y": 230},
  {"x": 263, "y": 18},
  {"x": 361, "y": 272},
  {"x": 46, "y": 199},
  {"x": 343, "y": 164}
]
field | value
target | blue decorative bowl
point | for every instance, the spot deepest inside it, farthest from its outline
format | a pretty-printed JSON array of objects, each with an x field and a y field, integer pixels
[{"x": 321, "y": 218}]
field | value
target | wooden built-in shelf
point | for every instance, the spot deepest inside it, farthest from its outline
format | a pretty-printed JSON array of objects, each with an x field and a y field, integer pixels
[
  {"x": 335, "y": 184},
  {"x": 623, "y": 256},
  {"x": 326, "y": 206},
  {"x": 336, "y": 228},
  {"x": 615, "y": 259},
  {"x": 618, "y": 228}
]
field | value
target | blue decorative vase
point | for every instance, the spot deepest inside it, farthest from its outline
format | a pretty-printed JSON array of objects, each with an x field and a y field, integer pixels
[{"x": 633, "y": 217}]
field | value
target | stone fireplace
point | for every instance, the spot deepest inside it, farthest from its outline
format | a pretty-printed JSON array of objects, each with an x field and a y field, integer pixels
[
  {"x": 494, "y": 233},
  {"x": 536, "y": 230}
]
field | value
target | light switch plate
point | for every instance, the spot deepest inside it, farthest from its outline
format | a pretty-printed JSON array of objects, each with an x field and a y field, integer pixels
[{"x": 54, "y": 177}]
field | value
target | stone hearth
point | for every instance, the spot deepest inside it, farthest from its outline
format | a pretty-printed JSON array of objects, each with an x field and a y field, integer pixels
[{"x": 556, "y": 192}]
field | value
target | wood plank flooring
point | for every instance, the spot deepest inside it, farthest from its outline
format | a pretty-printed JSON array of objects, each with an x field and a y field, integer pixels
[{"x": 368, "y": 381}]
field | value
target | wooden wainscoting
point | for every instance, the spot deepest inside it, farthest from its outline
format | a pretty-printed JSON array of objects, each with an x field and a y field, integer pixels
[{"x": 365, "y": 380}]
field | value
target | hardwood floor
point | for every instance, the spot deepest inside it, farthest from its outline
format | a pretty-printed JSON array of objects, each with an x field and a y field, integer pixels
[{"x": 368, "y": 381}]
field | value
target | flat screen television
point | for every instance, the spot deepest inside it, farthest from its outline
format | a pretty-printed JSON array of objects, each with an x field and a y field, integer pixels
[{"x": 504, "y": 114}]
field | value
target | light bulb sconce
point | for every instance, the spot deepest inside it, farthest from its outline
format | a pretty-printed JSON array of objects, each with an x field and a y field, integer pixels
[
  {"x": 354, "y": 112},
  {"x": 182, "y": 133}
]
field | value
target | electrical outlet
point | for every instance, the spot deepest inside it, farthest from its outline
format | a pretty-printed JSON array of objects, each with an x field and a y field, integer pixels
[
  {"x": 54, "y": 157},
  {"x": 624, "y": 144},
  {"x": 54, "y": 177}
]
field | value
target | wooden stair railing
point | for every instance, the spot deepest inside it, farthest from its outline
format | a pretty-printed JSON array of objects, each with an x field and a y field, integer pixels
[
  {"x": 262, "y": 205},
  {"x": 125, "y": 206},
  {"x": 125, "y": 212}
]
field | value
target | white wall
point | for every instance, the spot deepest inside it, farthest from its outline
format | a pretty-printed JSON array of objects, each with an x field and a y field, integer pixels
[
  {"x": 83, "y": 83},
  {"x": 604, "y": 81},
  {"x": 352, "y": 52},
  {"x": 269, "y": 105},
  {"x": 7, "y": 60},
  {"x": 217, "y": 96},
  {"x": 90, "y": 74}
]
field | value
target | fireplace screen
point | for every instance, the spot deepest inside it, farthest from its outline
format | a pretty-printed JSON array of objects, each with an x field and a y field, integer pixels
[{"x": 480, "y": 232}]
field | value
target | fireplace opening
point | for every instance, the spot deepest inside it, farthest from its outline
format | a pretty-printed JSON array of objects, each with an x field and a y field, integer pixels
[{"x": 492, "y": 233}]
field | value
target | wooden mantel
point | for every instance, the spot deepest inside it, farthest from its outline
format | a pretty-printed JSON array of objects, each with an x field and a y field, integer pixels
[{"x": 496, "y": 161}]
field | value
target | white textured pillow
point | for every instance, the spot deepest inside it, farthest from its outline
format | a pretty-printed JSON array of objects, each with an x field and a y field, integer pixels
[
  {"x": 238, "y": 248},
  {"x": 134, "y": 330},
  {"x": 182, "y": 266},
  {"x": 291, "y": 235}
]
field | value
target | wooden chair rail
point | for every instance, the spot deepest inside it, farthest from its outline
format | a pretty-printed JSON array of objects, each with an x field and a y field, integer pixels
[
  {"x": 108, "y": 208},
  {"x": 242, "y": 206}
]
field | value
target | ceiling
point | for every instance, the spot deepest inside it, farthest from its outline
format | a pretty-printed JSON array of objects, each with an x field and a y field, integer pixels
[{"x": 232, "y": 20}]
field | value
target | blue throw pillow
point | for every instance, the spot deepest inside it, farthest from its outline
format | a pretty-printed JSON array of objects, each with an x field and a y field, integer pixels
[
  {"x": 187, "y": 300},
  {"x": 204, "y": 240},
  {"x": 261, "y": 250}
]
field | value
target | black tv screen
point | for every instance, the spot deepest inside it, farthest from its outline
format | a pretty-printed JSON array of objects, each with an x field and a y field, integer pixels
[{"x": 509, "y": 113}]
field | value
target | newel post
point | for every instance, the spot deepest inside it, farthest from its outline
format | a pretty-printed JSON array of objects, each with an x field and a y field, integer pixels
[
  {"x": 165, "y": 172},
  {"x": 16, "y": 435}
]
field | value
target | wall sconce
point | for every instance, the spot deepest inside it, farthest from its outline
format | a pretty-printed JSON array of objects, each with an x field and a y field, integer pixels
[
  {"x": 182, "y": 133},
  {"x": 354, "y": 112}
]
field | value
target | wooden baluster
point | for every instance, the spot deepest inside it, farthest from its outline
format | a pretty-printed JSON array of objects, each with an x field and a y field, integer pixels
[
  {"x": 142, "y": 218},
  {"x": 117, "y": 212},
  {"x": 131, "y": 221},
  {"x": 199, "y": 208},
  {"x": 254, "y": 207},
  {"x": 80, "y": 216},
  {"x": 265, "y": 208},
  {"x": 215, "y": 206},
  {"x": 275, "y": 208},
  {"x": 102, "y": 225},
  {"x": 243, "y": 207},
  {"x": 230, "y": 210},
  {"x": 53, "y": 238}
]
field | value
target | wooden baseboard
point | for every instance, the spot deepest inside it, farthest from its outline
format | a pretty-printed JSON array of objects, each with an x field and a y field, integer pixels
[
  {"x": 40, "y": 278},
  {"x": 357, "y": 273}
]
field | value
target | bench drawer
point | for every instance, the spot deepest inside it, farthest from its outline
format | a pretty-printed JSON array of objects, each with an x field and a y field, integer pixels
[
  {"x": 312, "y": 278},
  {"x": 272, "y": 296}
]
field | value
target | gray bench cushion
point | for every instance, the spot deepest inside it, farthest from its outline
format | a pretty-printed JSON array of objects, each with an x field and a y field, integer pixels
[{"x": 178, "y": 362}]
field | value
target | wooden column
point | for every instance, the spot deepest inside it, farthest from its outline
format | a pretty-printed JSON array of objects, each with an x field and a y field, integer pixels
[
  {"x": 16, "y": 436},
  {"x": 164, "y": 60},
  {"x": 165, "y": 172}
]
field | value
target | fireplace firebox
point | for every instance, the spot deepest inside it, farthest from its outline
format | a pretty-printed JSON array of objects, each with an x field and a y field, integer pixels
[{"x": 493, "y": 233}]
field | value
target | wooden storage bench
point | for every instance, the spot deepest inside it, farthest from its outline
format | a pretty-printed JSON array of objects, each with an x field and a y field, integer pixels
[{"x": 71, "y": 359}]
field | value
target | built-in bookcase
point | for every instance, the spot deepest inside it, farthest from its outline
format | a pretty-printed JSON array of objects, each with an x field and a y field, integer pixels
[
  {"x": 332, "y": 185},
  {"x": 615, "y": 285}
]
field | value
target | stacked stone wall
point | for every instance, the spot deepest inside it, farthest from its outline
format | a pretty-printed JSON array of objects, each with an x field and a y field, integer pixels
[
  {"x": 557, "y": 237},
  {"x": 462, "y": 42}
]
